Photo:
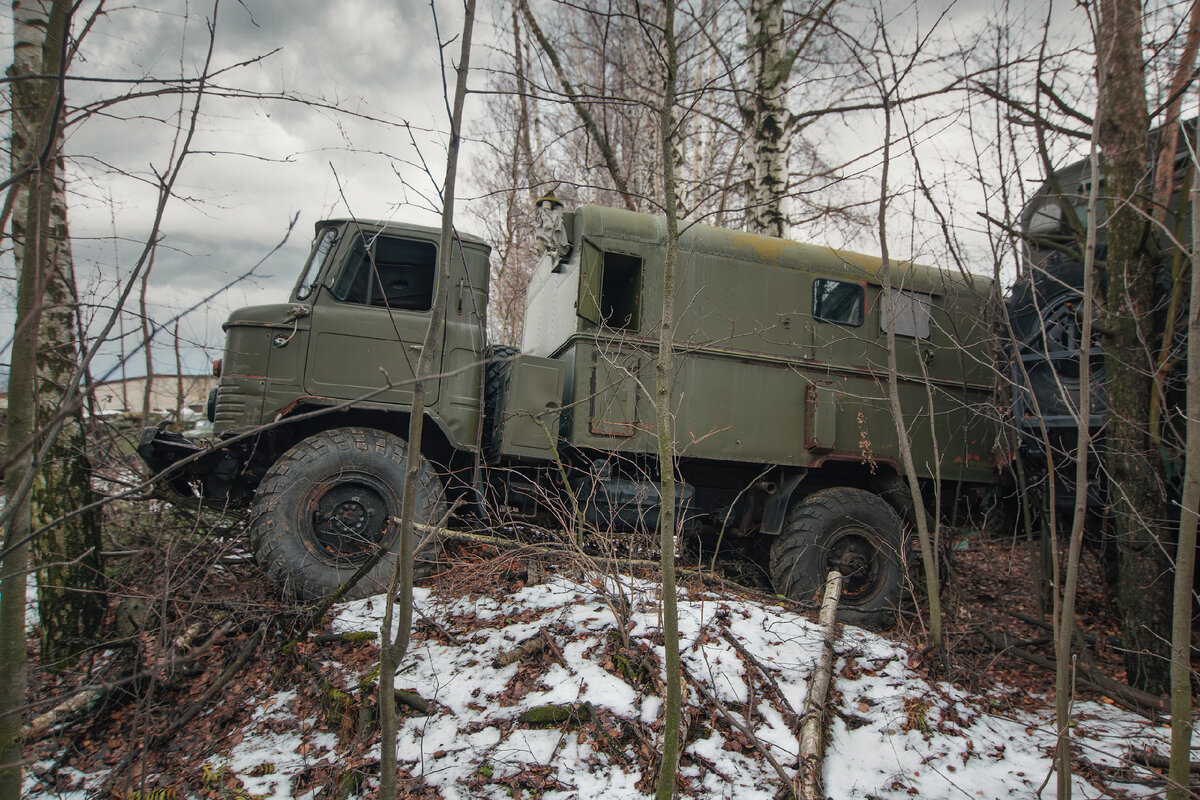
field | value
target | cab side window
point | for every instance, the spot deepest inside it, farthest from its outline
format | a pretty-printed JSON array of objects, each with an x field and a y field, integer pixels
[
  {"x": 838, "y": 301},
  {"x": 390, "y": 272}
]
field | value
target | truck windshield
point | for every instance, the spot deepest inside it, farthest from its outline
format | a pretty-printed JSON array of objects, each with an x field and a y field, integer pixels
[{"x": 312, "y": 269}]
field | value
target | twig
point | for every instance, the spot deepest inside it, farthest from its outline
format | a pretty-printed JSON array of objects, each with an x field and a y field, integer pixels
[
  {"x": 741, "y": 726},
  {"x": 1123, "y": 694},
  {"x": 437, "y": 626},
  {"x": 793, "y": 717}
]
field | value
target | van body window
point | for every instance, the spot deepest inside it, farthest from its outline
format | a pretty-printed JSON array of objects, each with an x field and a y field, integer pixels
[
  {"x": 387, "y": 271},
  {"x": 838, "y": 301},
  {"x": 912, "y": 312},
  {"x": 621, "y": 291}
]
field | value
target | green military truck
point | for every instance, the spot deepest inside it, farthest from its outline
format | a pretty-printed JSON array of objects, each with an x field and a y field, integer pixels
[{"x": 782, "y": 421}]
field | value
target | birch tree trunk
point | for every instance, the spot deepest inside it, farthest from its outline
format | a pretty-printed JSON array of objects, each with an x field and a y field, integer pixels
[
  {"x": 71, "y": 601},
  {"x": 39, "y": 36},
  {"x": 766, "y": 116}
]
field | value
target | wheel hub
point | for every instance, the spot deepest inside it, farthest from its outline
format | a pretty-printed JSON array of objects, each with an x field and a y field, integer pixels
[
  {"x": 853, "y": 556},
  {"x": 348, "y": 519}
]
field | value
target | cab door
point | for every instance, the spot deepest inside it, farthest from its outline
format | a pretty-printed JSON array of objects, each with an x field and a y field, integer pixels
[{"x": 370, "y": 319}]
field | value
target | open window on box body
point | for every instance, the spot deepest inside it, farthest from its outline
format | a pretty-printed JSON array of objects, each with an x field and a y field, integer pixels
[{"x": 610, "y": 288}]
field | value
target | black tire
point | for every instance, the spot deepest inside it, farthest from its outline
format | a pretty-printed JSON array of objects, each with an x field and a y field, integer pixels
[
  {"x": 498, "y": 357},
  {"x": 320, "y": 511},
  {"x": 855, "y": 532},
  {"x": 1045, "y": 316}
]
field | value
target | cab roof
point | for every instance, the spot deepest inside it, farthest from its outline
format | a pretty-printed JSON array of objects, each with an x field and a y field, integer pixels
[{"x": 393, "y": 226}]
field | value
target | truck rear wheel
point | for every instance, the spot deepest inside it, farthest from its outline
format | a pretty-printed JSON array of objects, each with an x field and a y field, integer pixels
[
  {"x": 329, "y": 503},
  {"x": 850, "y": 530}
]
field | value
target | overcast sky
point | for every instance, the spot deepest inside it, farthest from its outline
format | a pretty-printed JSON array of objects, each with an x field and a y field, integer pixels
[
  {"x": 260, "y": 162},
  {"x": 257, "y": 163}
]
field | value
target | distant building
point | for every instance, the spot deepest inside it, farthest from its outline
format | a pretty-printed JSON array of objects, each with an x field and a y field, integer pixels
[{"x": 119, "y": 397}]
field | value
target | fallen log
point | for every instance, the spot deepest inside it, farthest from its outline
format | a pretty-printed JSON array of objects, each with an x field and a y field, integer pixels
[
  {"x": 534, "y": 644},
  {"x": 412, "y": 700},
  {"x": 553, "y": 714},
  {"x": 808, "y": 783},
  {"x": 1149, "y": 758}
]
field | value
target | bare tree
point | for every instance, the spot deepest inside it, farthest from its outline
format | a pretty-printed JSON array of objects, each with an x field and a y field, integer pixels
[
  {"x": 393, "y": 650},
  {"x": 664, "y": 420},
  {"x": 39, "y": 46}
]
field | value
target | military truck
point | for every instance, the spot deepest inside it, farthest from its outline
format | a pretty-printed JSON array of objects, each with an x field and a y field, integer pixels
[
  {"x": 783, "y": 428},
  {"x": 1045, "y": 312}
]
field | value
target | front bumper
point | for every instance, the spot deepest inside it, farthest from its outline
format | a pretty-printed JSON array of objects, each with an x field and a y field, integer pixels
[{"x": 191, "y": 470}]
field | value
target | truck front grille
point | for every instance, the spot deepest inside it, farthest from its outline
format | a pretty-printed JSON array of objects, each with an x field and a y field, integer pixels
[{"x": 239, "y": 403}]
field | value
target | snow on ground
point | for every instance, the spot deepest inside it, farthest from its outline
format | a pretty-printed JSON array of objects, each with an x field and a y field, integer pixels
[{"x": 893, "y": 734}]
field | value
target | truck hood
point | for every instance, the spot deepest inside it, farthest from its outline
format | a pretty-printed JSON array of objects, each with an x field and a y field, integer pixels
[{"x": 275, "y": 315}]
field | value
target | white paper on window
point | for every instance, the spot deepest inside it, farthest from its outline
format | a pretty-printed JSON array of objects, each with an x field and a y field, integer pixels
[{"x": 912, "y": 313}]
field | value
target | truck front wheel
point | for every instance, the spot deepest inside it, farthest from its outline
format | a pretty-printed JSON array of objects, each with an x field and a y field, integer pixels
[
  {"x": 328, "y": 504},
  {"x": 850, "y": 530}
]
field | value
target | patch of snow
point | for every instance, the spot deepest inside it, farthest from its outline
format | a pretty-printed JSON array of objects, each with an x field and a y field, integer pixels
[{"x": 892, "y": 734}]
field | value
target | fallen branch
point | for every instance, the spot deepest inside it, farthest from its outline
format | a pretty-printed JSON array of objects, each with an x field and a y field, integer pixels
[
  {"x": 791, "y": 716},
  {"x": 741, "y": 726},
  {"x": 1089, "y": 638},
  {"x": 349, "y": 637},
  {"x": 76, "y": 704},
  {"x": 1149, "y": 758},
  {"x": 534, "y": 644},
  {"x": 1124, "y": 695},
  {"x": 808, "y": 783},
  {"x": 248, "y": 650},
  {"x": 89, "y": 697}
]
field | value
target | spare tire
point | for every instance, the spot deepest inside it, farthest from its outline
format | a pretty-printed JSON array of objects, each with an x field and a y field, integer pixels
[
  {"x": 1045, "y": 313},
  {"x": 498, "y": 357}
]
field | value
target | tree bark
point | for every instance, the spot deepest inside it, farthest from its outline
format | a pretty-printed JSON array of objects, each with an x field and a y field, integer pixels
[
  {"x": 809, "y": 784},
  {"x": 766, "y": 117},
  {"x": 38, "y": 40},
  {"x": 1140, "y": 524},
  {"x": 665, "y": 788},
  {"x": 1185, "y": 558},
  {"x": 393, "y": 650},
  {"x": 71, "y": 601}
]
